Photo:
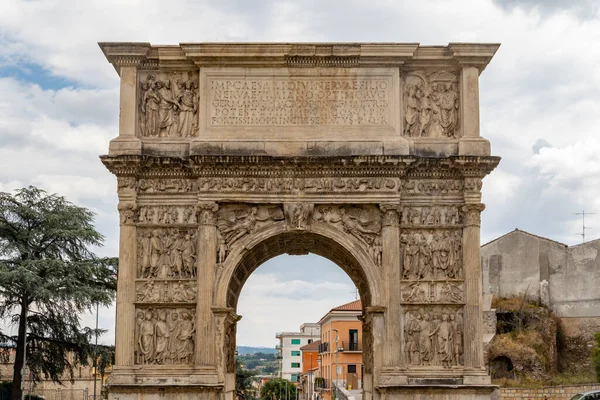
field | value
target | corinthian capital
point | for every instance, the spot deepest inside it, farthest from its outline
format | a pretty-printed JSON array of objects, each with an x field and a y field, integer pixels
[
  {"x": 391, "y": 214},
  {"x": 207, "y": 212},
  {"x": 472, "y": 213},
  {"x": 128, "y": 213}
]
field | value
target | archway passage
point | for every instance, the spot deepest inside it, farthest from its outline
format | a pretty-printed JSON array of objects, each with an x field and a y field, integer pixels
[{"x": 297, "y": 243}]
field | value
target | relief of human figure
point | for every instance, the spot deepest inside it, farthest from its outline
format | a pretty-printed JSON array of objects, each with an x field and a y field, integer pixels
[
  {"x": 188, "y": 256},
  {"x": 444, "y": 341},
  {"x": 185, "y": 342},
  {"x": 456, "y": 340},
  {"x": 156, "y": 252},
  {"x": 150, "y": 109},
  {"x": 146, "y": 338},
  {"x": 145, "y": 264},
  {"x": 424, "y": 114},
  {"x": 167, "y": 108},
  {"x": 412, "y": 112},
  {"x": 188, "y": 108},
  {"x": 448, "y": 104},
  {"x": 173, "y": 324},
  {"x": 162, "y": 338},
  {"x": 425, "y": 340}
]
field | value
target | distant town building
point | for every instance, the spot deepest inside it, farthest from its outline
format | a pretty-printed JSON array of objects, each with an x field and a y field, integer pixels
[
  {"x": 310, "y": 368},
  {"x": 344, "y": 323},
  {"x": 289, "y": 349}
]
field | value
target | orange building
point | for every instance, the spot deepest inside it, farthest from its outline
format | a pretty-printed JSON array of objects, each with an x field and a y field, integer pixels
[
  {"x": 310, "y": 368},
  {"x": 342, "y": 325}
]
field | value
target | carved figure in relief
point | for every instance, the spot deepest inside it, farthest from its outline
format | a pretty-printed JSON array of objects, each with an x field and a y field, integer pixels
[
  {"x": 222, "y": 251},
  {"x": 167, "y": 109},
  {"x": 183, "y": 293},
  {"x": 237, "y": 221},
  {"x": 162, "y": 338},
  {"x": 149, "y": 293},
  {"x": 412, "y": 112},
  {"x": 146, "y": 339},
  {"x": 185, "y": 337},
  {"x": 166, "y": 253},
  {"x": 187, "y": 254},
  {"x": 451, "y": 293},
  {"x": 156, "y": 252},
  {"x": 433, "y": 99},
  {"x": 376, "y": 251},
  {"x": 188, "y": 104},
  {"x": 431, "y": 254},
  {"x": 416, "y": 294},
  {"x": 436, "y": 341},
  {"x": 150, "y": 108},
  {"x": 364, "y": 223}
]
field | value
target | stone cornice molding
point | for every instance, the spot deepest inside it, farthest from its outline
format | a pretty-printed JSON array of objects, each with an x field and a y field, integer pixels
[
  {"x": 454, "y": 167},
  {"x": 265, "y": 55}
]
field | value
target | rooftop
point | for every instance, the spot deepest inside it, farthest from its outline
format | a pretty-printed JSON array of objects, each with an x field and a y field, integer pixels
[{"x": 311, "y": 346}]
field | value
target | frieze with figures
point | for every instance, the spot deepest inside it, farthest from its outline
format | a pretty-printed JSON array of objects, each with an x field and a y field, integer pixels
[
  {"x": 429, "y": 187},
  {"x": 431, "y": 105},
  {"x": 166, "y": 291},
  {"x": 440, "y": 292},
  {"x": 168, "y": 105},
  {"x": 166, "y": 253},
  {"x": 164, "y": 336},
  {"x": 432, "y": 254},
  {"x": 428, "y": 216},
  {"x": 433, "y": 336},
  {"x": 167, "y": 215}
]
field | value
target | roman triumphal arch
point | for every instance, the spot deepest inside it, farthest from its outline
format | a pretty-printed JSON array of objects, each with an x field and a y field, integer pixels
[{"x": 368, "y": 154}]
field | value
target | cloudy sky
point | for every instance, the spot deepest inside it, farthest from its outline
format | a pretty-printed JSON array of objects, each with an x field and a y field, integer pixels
[{"x": 540, "y": 108}]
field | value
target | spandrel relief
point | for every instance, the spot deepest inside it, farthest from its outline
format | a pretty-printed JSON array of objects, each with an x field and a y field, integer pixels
[
  {"x": 419, "y": 292},
  {"x": 431, "y": 255},
  {"x": 166, "y": 253},
  {"x": 362, "y": 222},
  {"x": 168, "y": 105},
  {"x": 166, "y": 291},
  {"x": 167, "y": 215},
  {"x": 431, "y": 216},
  {"x": 298, "y": 215},
  {"x": 167, "y": 185},
  {"x": 429, "y": 187},
  {"x": 431, "y": 105},
  {"x": 164, "y": 336},
  {"x": 295, "y": 185},
  {"x": 234, "y": 221},
  {"x": 433, "y": 336}
]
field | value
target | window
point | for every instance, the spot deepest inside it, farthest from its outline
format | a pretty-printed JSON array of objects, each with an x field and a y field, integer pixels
[
  {"x": 295, "y": 353},
  {"x": 295, "y": 365},
  {"x": 295, "y": 341},
  {"x": 351, "y": 368},
  {"x": 309, "y": 341},
  {"x": 294, "y": 378}
]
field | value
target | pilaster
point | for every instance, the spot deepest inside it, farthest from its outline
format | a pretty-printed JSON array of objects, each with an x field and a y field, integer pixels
[
  {"x": 471, "y": 143},
  {"x": 207, "y": 260},
  {"x": 390, "y": 264}
]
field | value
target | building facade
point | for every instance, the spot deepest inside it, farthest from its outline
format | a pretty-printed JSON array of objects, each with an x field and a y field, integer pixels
[
  {"x": 289, "y": 349},
  {"x": 310, "y": 368},
  {"x": 341, "y": 330}
]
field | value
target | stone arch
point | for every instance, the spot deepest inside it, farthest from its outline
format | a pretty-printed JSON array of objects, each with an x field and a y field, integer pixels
[{"x": 323, "y": 240}]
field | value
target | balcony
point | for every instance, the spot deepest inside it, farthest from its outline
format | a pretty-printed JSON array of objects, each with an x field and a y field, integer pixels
[
  {"x": 278, "y": 347},
  {"x": 348, "y": 347},
  {"x": 324, "y": 347}
]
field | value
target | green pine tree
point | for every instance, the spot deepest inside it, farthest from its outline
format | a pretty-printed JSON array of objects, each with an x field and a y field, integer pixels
[{"x": 48, "y": 277}]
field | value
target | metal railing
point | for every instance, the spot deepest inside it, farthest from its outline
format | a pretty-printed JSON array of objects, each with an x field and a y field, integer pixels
[
  {"x": 351, "y": 346},
  {"x": 324, "y": 347}
]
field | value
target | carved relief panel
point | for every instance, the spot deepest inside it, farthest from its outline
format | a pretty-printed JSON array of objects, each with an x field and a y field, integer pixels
[
  {"x": 167, "y": 185},
  {"x": 165, "y": 291},
  {"x": 433, "y": 336},
  {"x": 431, "y": 105},
  {"x": 429, "y": 187},
  {"x": 431, "y": 216},
  {"x": 166, "y": 253},
  {"x": 168, "y": 106},
  {"x": 234, "y": 221},
  {"x": 431, "y": 254},
  {"x": 164, "y": 336},
  {"x": 167, "y": 215}
]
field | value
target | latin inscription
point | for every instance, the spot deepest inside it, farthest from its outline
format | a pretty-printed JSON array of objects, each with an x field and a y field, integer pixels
[{"x": 300, "y": 102}]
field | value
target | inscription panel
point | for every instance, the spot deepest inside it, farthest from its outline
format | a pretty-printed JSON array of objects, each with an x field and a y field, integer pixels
[{"x": 291, "y": 100}]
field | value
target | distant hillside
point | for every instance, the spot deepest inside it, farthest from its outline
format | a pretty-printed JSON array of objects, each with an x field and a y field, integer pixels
[{"x": 253, "y": 350}]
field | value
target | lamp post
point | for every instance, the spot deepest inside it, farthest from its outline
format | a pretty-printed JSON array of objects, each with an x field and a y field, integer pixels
[{"x": 337, "y": 337}]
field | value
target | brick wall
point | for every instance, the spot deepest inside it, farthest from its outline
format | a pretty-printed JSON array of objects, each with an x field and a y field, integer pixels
[{"x": 547, "y": 393}]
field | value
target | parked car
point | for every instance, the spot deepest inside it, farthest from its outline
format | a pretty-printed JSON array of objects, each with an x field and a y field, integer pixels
[{"x": 593, "y": 395}]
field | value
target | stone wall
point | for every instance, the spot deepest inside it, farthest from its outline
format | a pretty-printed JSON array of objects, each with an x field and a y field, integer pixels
[
  {"x": 562, "y": 277},
  {"x": 546, "y": 393}
]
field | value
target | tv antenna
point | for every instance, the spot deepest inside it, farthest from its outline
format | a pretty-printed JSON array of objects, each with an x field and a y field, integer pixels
[
  {"x": 583, "y": 227},
  {"x": 355, "y": 292}
]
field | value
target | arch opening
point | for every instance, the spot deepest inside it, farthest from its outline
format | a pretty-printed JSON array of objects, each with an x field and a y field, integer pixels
[{"x": 298, "y": 243}]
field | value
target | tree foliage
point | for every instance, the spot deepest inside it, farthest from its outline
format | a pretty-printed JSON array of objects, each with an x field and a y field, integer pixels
[
  {"x": 278, "y": 389},
  {"x": 48, "y": 277},
  {"x": 244, "y": 378},
  {"x": 596, "y": 356}
]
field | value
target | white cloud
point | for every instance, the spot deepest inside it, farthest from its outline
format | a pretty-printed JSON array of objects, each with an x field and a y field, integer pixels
[{"x": 542, "y": 85}]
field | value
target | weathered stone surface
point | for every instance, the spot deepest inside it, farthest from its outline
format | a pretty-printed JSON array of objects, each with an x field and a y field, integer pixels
[{"x": 367, "y": 154}]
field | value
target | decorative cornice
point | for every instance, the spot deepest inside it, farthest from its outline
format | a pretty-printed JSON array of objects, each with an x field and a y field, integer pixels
[{"x": 341, "y": 55}]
